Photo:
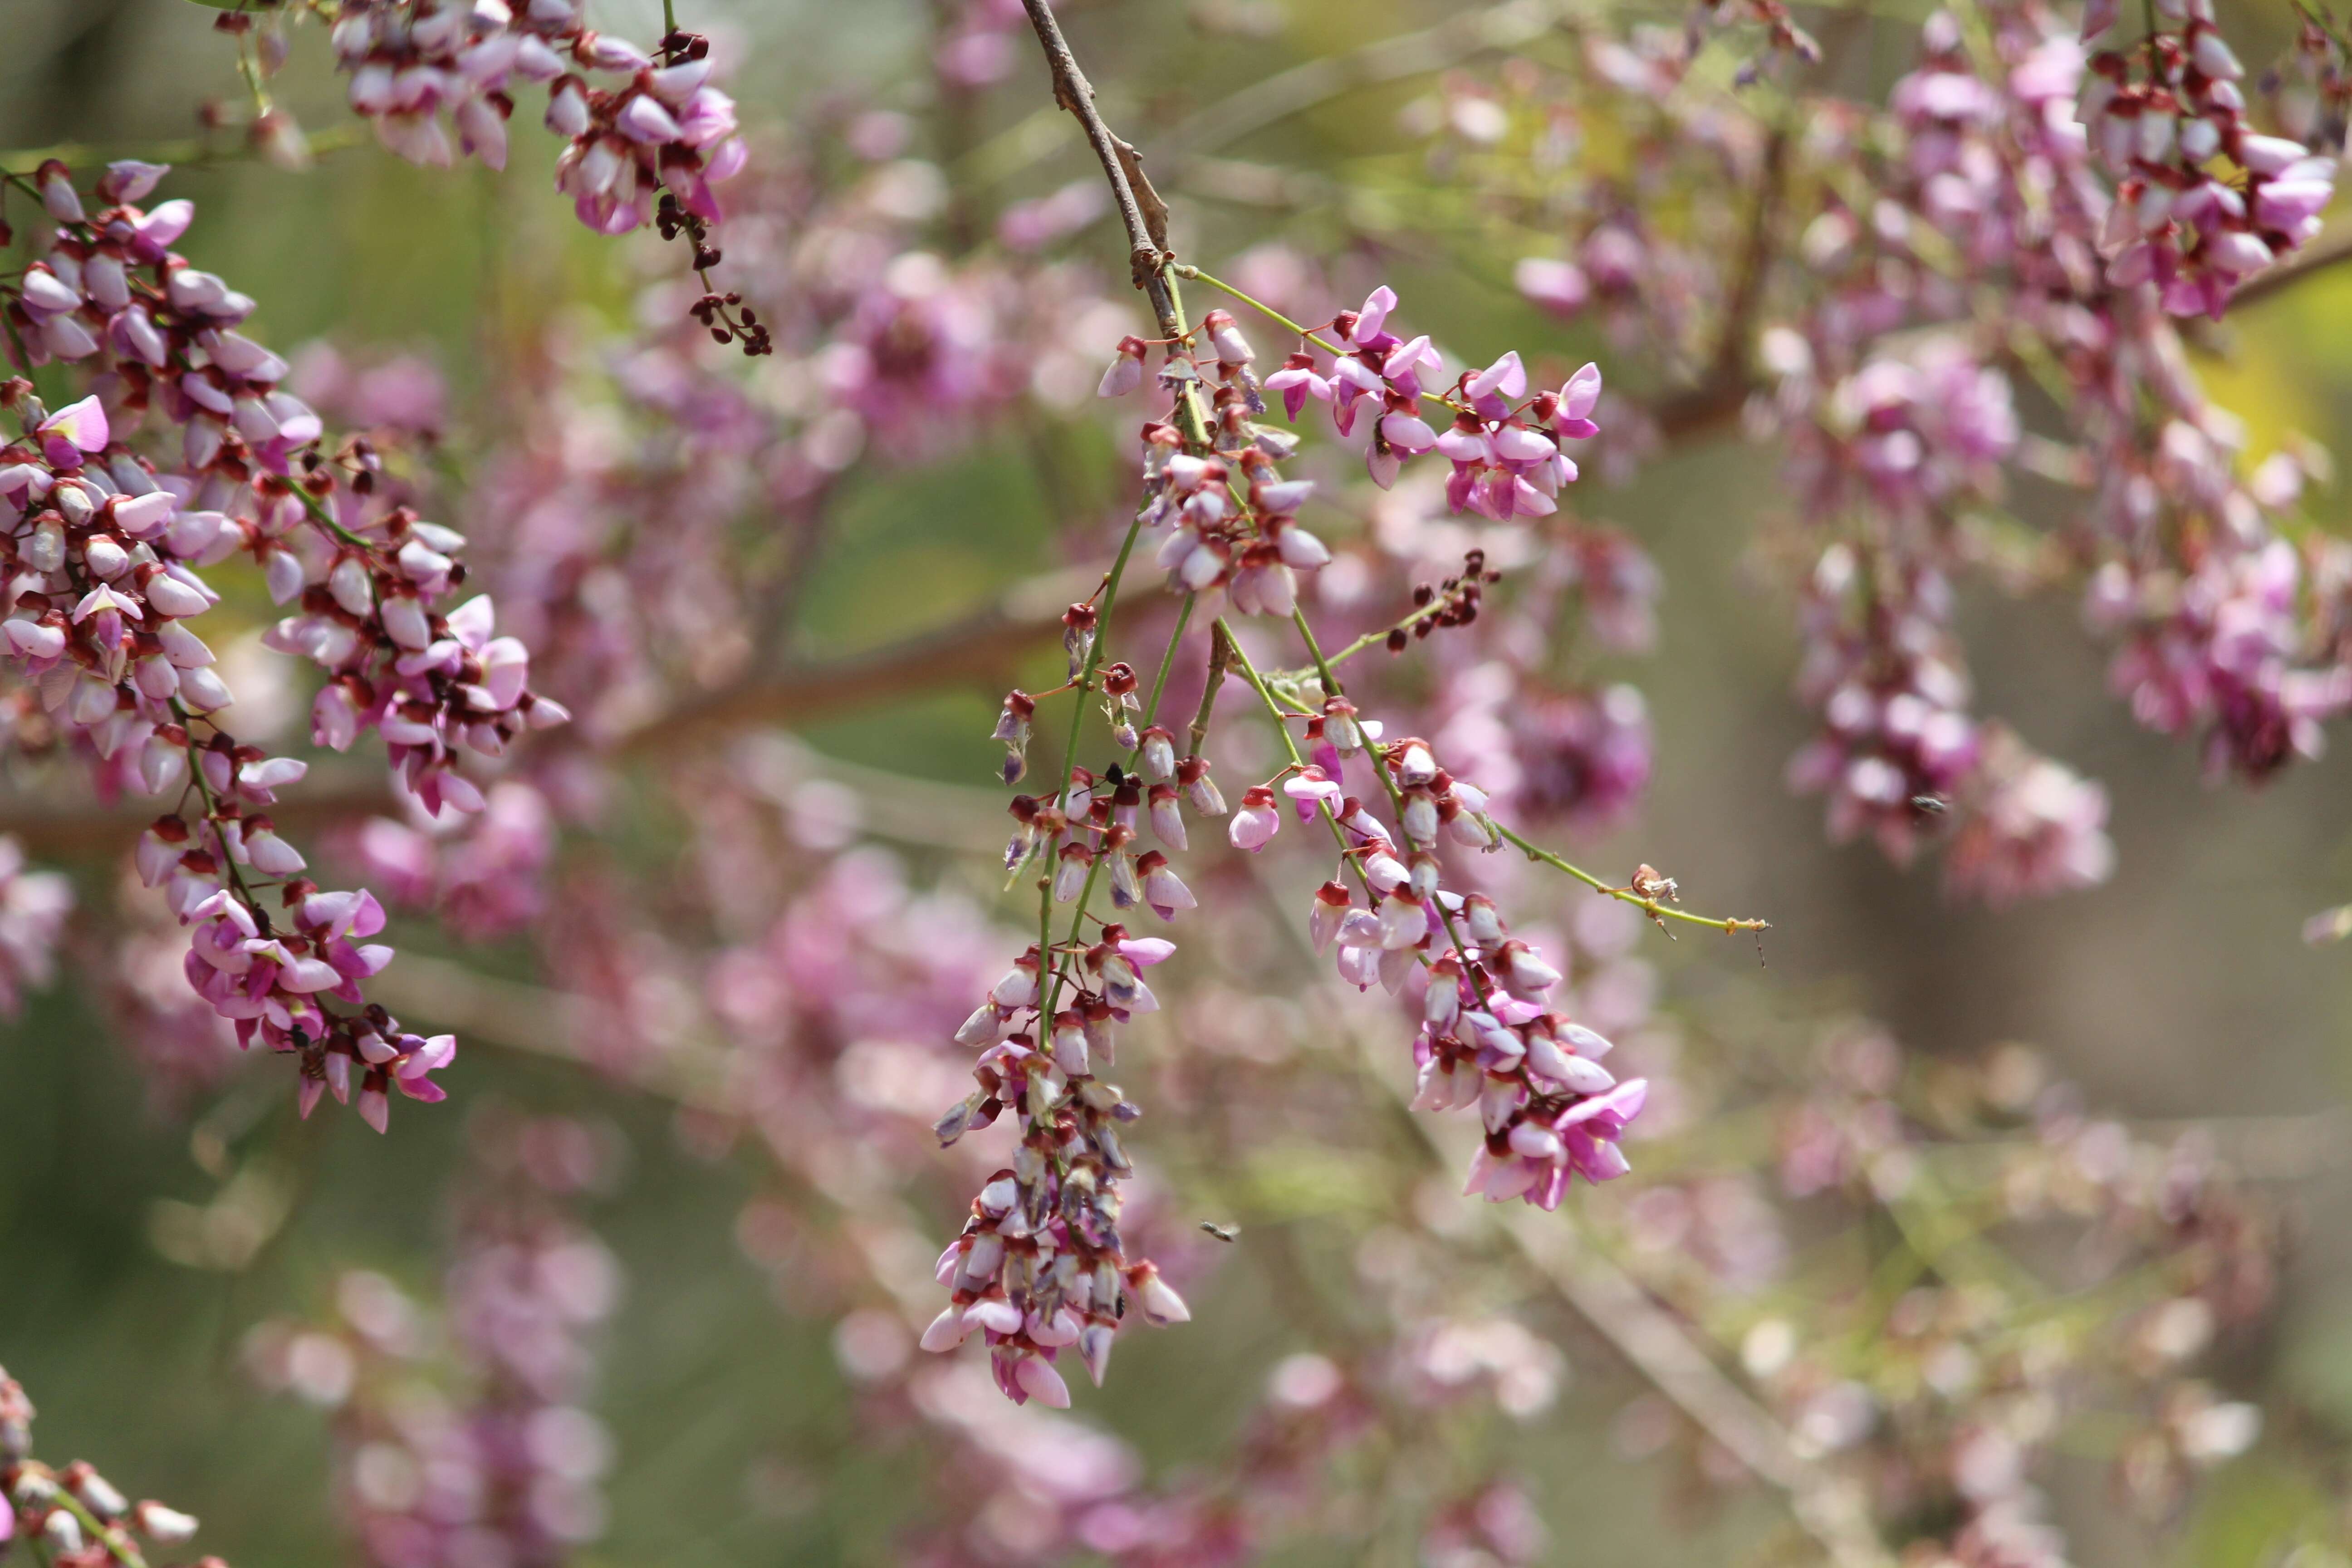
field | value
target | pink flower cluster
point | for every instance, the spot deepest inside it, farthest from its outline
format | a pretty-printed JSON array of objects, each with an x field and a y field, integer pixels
[
  {"x": 1505, "y": 453},
  {"x": 1489, "y": 1037},
  {"x": 2033, "y": 827},
  {"x": 664, "y": 128},
  {"x": 1581, "y": 757},
  {"x": 2017, "y": 212},
  {"x": 484, "y": 877},
  {"x": 1040, "y": 1266},
  {"x": 2160, "y": 115},
  {"x": 104, "y": 544},
  {"x": 2221, "y": 645}
]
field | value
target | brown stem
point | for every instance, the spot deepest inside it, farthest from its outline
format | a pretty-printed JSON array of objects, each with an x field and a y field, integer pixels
[
  {"x": 1140, "y": 210},
  {"x": 1218, "y": 647},
  {"x": 1754, "y": 264}
]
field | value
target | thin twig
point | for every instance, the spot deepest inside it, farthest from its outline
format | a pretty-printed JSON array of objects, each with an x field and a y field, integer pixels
[
  {"x": 1140, "y": 210},
  {"x": 1431, "y": 49}
]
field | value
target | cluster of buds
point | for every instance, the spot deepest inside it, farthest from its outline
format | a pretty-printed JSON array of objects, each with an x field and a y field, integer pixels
[
  {"x": 74, "y": 1517},
  {"x": 1040, "y": 1266},
  {"x": 102, "y": 545},
  {"x": 2160, "y": 116},
  {"x": 1452, "y": 603},
  {"x": 1095, "y": 828},
  {"x": 662, "y": 129},
  {"x": 1229, "y": 532}
]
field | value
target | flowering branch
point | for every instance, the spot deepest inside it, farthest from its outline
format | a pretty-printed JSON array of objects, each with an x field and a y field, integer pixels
[
  {"x": 105, "y": 541},
  {"x": 1140, "y": 209}
]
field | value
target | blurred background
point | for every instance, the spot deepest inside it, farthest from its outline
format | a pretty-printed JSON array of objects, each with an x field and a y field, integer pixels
[{"x": 2180, "y": 989}]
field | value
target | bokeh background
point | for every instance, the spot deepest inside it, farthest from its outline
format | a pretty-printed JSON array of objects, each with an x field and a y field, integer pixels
[{"x": 2178, "y": 989}]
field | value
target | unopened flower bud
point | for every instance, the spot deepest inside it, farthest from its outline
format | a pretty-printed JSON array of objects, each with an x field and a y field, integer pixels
[
  {"x": 1125, "y": 372},
  {"x": 1225, "y": 336},
  {"x": 1159, "y": 754},
  {"x": 164, "y": 1526},
  {"x": 1200, "y": 790}
]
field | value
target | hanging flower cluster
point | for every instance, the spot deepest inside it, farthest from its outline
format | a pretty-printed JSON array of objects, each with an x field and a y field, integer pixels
[
  {"x": 2161, "y": 116},
  {"x": 105, "y": 544},
  {"x": 662, "y": 132},
  {"x": 646, "y": 135},
  {"x": 2017, "y": 208},
  {"x": 1039, "y": 1265}
]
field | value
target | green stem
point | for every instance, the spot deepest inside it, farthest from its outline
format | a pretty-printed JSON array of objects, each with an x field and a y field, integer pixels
[
  {"x": 1085, "y": 682},
  {"x": 326, "y": 520},
  {"x": 186, "y": 151},
  {"x": 212, "y": 814},
  {"x": 1194, "y": 423},
  {"x": 116, "y": 1541},
  {"x": 1650, "y": 907},
  {"x": 1183, "y": 270},
  {"x": 1167, "y": 663},
  {"x": 1087, "y": 893},
  {"x": 1373, "y": 639}
]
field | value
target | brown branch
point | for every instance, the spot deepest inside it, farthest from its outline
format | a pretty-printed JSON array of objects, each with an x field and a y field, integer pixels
[
  {"x": 983, "y": 649},
  {"x": 1144, "y": 214},
  {"x": 1755, "y": 263},
  {"x": 1703, "y": 409}
]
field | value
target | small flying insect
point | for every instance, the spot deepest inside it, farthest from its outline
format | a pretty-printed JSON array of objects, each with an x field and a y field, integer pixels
[
  {"x": 1228, "y": 1233},
  {"x": 1933, "y": 804}
]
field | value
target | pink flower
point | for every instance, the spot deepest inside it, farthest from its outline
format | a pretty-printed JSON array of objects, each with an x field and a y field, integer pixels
[
  {"x": 1254, "y": 825},
  {"x": 1310, "y": 789},
  {"x": 73, "y": 430}
]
